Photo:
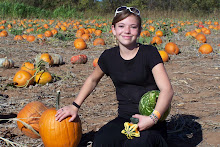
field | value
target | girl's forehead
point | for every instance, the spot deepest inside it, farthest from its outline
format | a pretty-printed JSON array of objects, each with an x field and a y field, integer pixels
[{"x": 129, "y": 20}]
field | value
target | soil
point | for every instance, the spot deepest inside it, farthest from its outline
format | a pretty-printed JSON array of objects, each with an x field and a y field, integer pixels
[{"x": 194, "y": 119}]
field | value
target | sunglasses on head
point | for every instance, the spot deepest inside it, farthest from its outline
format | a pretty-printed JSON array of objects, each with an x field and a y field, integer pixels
[{"x": 131, "y": 9}]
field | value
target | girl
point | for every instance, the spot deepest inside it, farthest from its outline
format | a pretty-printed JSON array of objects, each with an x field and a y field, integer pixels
[{"x": 134, "y": 69}]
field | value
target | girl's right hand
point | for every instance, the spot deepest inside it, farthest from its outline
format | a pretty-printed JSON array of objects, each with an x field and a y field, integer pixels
[{"x": 65, "y": 112}]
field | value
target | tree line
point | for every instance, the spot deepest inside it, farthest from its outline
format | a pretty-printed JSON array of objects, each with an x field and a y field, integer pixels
[{"x": 194, "y": 7}]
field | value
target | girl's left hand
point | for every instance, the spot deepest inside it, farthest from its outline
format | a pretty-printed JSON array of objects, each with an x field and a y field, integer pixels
[{"x": 145, "y": 122}]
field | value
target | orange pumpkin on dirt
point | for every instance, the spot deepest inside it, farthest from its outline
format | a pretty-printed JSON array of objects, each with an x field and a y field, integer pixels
[
  {"x": 47, "y": 58},
  {"x": 79, "y": 44},
  {"x": 159, "y": 33},
  {"x": 30, "y": 38},
  {"x": 43, "y": 78},
  {"x": 171, "y": 48},
  {"x": 98, "y": 41},
  {"x": 201, "y": 38},
  {"x": 3, "y": 33},
  {"x": 205, "y": 49},
  {"x": 174, "y": 30},
  {"x": 23, "y": 78},
  {"x": 31, "y": 114},
  {"x": 156, "y": 40},
  {"x": 48, "y": 34},
  {"x": 95, "y": 62},
  {"x": 164, "y": 55},
  {"x": 145, "y": 33},
  {"x": 29, "y": 67},
  {"x": 18, "y": 37}
]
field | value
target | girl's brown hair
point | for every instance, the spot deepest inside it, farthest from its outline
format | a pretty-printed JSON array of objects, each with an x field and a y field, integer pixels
[{"x": 124, "y": 14}]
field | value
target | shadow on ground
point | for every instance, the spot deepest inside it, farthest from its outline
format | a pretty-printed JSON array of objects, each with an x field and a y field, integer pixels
[{"x": 183, "y": 131}]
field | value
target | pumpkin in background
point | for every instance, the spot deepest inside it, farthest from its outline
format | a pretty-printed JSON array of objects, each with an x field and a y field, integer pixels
[
  {"x": 79, "y": 44},
  {"x": 57, "y": 58},
  {"x": 59, "y": 134},
  {"x": 95, "y": 62},
  {"x": 156, "y": 40},
  {"x": 48, "y": 33},
  {"x": 201, "y": 38},
  {"x": 164, "y": 55},
  {"x": 159, "y": 33},
  {"x": 27, "y": 114},
  {"x": 174, "y": 30},
  {"x": 6, "y": 63},
  {"x": 29, "y": 67},
  {"x": 205, "y": 48},
  {"x": 79, "y": 59},
  {"x": 43, "y": 77},
  {"x": 98, "y": 41},
  {"x": 18, "y": 37},
  {"x": 23, "y": 78},
  {"x": 171, "y": 48},
  {"x": 145, "y": 33},
  {"x": 3, "y": 33},
  {"x": 47, "y": 58},
  {"x": 30, "y": 38}
]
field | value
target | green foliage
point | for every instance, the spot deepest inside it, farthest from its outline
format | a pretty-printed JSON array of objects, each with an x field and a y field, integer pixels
[{"x": 78, "y": 8}]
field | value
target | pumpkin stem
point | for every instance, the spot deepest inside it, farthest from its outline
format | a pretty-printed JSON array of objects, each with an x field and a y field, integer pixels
[{"x": 58, "y": 100}]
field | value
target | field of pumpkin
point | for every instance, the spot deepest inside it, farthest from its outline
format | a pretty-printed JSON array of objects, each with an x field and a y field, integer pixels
[{"x": 44, "y": 63}]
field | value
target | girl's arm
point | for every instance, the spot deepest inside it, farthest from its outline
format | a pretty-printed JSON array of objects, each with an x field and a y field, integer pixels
[
  {"x": 85, "y": 91},
  {"x": 164, "y": 99}
]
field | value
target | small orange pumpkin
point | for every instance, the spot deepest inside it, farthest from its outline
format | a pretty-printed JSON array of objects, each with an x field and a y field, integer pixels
[
  {"x": 31, "y": 114},
  {"x": 30, "y": 38},
  {"x": 43, "y": 78},
  {"x": 48, "y": 34},
  {"x": 159, "y": 33},
  {"x": 95, "y": 62},
  {"x": 18, "y": 37},
  {"x": 29, "y": 67},
  {"x": 156, "y": 40},
  {"x": 47, "y": 58},
  {"x": 164, "y": 55},
  {"x": 79, "y": 44},
  {"x": 201, "y": 38},
  {"x": 205, "y": 49},
  {"x": 171, "y": 48},
  {"x": 98, "y": 41}
]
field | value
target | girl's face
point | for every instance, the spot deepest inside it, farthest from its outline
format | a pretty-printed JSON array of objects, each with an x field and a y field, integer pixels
[{"x": 127, "y": 31}]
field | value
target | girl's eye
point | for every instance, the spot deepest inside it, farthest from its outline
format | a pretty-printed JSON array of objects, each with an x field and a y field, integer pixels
[
  {"x": 134, "y": 27},
  {"x": 120, "y": 26}
]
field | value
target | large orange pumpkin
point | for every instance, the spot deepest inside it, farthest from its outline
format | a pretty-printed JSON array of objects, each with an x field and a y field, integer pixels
[
  {"x": 171, "y": 48},
  {"x": 22, "y": 77},
  {"x": 205, "y": 48},
  {"x": 59, "y": 134},
  {"x": 31, "y": 114}
]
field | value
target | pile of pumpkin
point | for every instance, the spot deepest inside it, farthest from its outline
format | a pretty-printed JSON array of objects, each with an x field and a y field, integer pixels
[
  {"x": 36, "y": 120},
  {"x": 31, "y": 73}
]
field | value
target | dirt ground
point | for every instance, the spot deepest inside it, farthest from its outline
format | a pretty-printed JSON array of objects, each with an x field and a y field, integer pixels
[{"x": 194, "y": 119}]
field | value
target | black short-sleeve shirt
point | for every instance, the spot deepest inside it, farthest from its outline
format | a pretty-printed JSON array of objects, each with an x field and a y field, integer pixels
[{"x": 131, "y": 78}]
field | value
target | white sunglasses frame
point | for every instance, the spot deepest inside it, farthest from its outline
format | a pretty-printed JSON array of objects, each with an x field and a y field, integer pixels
[{"x": 127, "y": 8}]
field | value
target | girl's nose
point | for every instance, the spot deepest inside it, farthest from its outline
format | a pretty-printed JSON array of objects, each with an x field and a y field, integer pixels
[{"x": 127, "y": 29}]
